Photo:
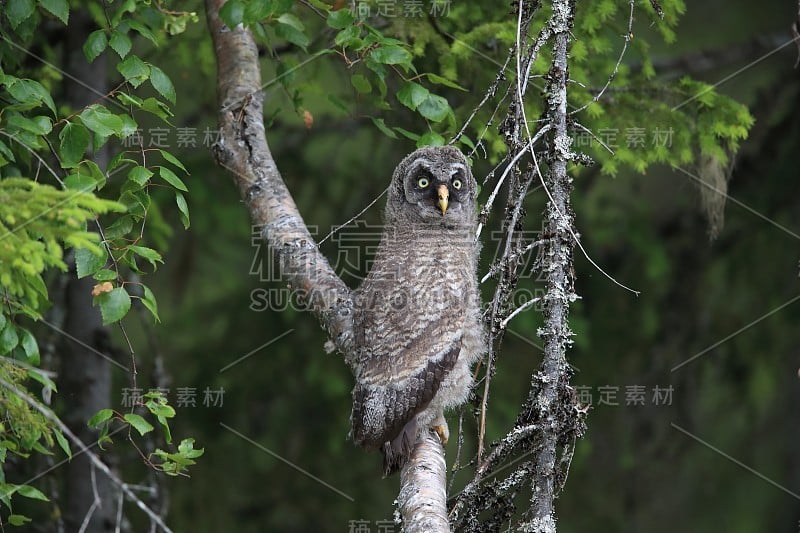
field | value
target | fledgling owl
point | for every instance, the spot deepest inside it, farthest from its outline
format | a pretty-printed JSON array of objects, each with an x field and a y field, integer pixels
[{"x": 417, "y": 318}]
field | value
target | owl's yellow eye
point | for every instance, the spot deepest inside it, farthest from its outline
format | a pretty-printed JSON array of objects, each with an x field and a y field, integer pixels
[
  {"x": 423, "y": 182},
  {"x": 457, "y": 184}
]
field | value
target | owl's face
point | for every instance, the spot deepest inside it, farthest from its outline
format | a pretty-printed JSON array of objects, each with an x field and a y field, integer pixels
[{"x": 433, "y": 185}]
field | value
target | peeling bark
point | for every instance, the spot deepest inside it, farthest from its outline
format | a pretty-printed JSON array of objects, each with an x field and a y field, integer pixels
[{"x": 242, "y": 149}]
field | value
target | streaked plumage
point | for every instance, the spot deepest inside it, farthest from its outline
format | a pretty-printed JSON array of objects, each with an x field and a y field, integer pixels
[{"x": 417, "y": 323}]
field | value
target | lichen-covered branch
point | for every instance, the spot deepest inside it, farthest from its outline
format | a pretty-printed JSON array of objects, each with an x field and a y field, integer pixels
[
  {"x": 547, "y": 399},
  {"x": 423, "y": 497},
  {"x": 242, "y": 149},
  {"x": 550, "y": 419}
]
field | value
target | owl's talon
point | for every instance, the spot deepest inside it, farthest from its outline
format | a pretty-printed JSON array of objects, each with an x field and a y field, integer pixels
[{"x": 443, "y": 432}]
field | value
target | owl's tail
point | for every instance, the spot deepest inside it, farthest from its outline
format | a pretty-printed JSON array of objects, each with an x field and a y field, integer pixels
[{"x": 397, "y": 452}]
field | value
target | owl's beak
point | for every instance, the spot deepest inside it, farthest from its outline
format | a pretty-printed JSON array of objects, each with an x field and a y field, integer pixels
[{"x": 444, "y": 197}]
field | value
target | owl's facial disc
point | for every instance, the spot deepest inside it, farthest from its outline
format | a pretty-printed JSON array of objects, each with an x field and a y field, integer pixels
[{"x": 443, "y": 198}]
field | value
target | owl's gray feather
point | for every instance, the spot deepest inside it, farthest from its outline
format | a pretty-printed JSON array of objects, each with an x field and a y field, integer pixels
[{"x": 417, "y": 325}]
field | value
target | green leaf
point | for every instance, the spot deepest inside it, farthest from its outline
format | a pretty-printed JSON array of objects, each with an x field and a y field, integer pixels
[
  {"x": 140, "y": 175},
  {"x": 140, "y": 424},
  {"x": 149, "y": 301},
  {"x": 114, "y": 305},
  {"x": 291, "y": 20},
  {"x": 74, "y": 142},
  {"x": 156, "y": 107},
  {"x": 232, "y": 13},
  {"x": 30, "y": 91},
  {"x": 142, "y": 30},
  {"x": 430, "y": 139},
  {"x": 407, "y": 134},
  {"x": 412, "y": 94},
  {"x": 381, "y": 125},
  {"x": 171, "y": 178},
  {"x": 361, "y": 83},
  {"x": 98, "y": 119},
  {"x": 29, "y": 346},
  {"x": 8, "y": 339},
  {"x": 105, "y": 274},
  {"x": 172, "y": 159},
  {"x": 62, "y": 442},
  {"x": 340, "y": 19},
  {"x": 160, "y": 409},
  {"x": 94, "y": 45},
  {"x": 94, "y": 171},
  {"x": 121, "y": 43},
  {"x": 122, "y": 226},
  {"x": 18, "y": 519},
  {"x": 134, "y": 70},
  {"x": 38, "y": 125},
  {"x": 434, "y": 108},
  {"x": 350, "y": 36},
  {"x": 31, "y": 492},
  {"x": 162, "y": 83},
  {"x": 391, "y": 55},
  {"x": 435, "y": 78},
  {"x": 149, "y": 254},
  {"x": 59, "y": 8},
  {"x": 183, "y": 208},
  {"x": 186, "y": 448},
  {"x": 87, "y": 262},
  {"x": 101, "y": 416},
  {"x": 18, "y": 11},
  {"x": 289, "y": 32},
  {"x": 256, "y": 11}
]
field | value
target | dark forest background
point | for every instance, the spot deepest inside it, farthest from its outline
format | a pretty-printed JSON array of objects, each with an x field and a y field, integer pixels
[{"x": 694, "y": 384}]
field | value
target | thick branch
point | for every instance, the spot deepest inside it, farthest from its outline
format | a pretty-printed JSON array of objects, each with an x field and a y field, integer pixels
[
  {"x": 423, "y": 498},
  {"x": 242, "y": 149}
]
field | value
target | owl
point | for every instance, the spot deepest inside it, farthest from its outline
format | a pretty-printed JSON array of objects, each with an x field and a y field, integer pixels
[{"x": 417, "y": 318}]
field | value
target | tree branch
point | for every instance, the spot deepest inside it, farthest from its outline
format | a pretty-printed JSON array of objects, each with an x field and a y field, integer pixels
[
  {"x": 546, "y": 397},
  {"x": 95, "y": 460},
  {"x": 242, "y": 149},
  {"x": 423, "y": 498}
]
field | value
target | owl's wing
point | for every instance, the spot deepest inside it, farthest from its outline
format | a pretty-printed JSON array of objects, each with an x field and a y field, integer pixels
[{"x": 396, "y": 383}]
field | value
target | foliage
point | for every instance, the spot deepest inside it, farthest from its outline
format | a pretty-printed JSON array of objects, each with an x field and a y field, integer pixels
[
  {"x": 43, "y": 142},
  {"x": 378, "y": 66},
  {"x": 157, "y": 405}
]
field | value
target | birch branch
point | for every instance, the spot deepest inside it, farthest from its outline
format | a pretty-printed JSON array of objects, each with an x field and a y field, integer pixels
[
  {"x": 242, "y": 149},
  {"x": 423, "y": 497}
]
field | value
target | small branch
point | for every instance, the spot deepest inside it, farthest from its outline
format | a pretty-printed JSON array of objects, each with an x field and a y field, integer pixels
[
  {"x": 100, "y": 465},
  {"x": 423, "y": 498},
  {"x": 628, "y": 36}
]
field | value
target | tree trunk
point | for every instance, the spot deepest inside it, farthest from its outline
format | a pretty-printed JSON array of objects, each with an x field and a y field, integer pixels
[{"x": 85, "y": 376}]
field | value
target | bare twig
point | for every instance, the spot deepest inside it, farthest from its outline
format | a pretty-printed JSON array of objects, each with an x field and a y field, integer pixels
[{"x": 626, "y": 39}]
